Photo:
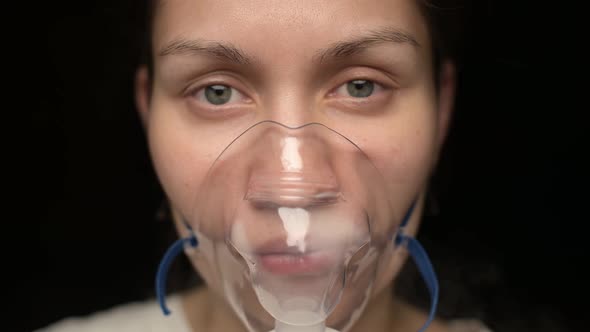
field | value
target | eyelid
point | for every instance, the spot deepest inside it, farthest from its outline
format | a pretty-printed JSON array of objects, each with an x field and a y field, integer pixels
[
  {"x": 367, "y": 73},
  {"x": 202, "y": 83},
  {"x": 215, "y": 77}
]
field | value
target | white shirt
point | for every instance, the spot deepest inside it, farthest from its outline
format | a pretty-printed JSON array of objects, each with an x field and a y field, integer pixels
[
  {"x": 132, "y": 317},
  {"x": 147, "y": 317}
]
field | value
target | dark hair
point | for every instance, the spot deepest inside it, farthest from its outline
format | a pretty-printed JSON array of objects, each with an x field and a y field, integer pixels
[{"x": 447, "y": 23}]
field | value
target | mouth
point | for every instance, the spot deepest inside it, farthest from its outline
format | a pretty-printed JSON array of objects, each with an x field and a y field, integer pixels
[
  {"x": 311, "y": 263},
  {"x": 280, "y": 259}
]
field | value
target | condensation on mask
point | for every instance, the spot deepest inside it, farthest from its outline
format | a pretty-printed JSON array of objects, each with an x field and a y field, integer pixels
[{"x": 294, "y": 222}]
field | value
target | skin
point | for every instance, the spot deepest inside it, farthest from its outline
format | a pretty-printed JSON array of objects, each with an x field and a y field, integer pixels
[{"x": 401, "y": 126}]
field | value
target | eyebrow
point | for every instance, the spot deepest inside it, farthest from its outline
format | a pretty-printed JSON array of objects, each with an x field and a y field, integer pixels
[
  {"x": 229, "y": 52},
  {"x": 358, "y": 44},
  {"x": 222, "y": 50}
]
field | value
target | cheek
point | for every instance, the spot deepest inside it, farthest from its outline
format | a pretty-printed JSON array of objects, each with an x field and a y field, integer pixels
[
  {"x": 180, "y": 159},
  {"x": 405, "y": 155},
  {"x": 404, "y": 147}
]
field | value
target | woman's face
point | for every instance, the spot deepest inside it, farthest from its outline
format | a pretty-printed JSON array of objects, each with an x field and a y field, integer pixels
[{"x": 363, "y": 67}]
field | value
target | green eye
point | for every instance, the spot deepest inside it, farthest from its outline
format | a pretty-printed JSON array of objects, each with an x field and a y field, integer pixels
[
  {"x": 360, "y": 88},
  {"x": 218, "y": 94}
]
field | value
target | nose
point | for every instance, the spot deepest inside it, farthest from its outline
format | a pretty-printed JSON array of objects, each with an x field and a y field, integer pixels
[
  {"x": 290, "y": 105},
  {"x": 295, "y": 170},
  {"x": 291, "y": 190}
]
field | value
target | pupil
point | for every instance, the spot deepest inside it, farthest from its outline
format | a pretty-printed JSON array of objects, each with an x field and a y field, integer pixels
[
  {"x": 218, "y": 94},
  {"x": 360, "y": 88}
]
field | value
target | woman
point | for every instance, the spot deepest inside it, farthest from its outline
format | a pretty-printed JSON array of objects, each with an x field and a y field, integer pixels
[{"x": 361, "y": 90}]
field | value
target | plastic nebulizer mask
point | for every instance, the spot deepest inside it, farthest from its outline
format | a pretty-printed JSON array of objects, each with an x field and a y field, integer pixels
[{"x": 295, "y": 220}]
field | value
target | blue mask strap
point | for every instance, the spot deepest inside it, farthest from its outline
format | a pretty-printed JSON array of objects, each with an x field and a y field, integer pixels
[
  {"x": 174, "y": 251},
  {"x": 423, "y": 263},
  {"x": 408, "y": 215}
]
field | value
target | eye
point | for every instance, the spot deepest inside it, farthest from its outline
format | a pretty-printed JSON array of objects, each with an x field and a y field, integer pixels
[
  {"x": 358, "y": 88},
  {"x": 217, "y": 94}
]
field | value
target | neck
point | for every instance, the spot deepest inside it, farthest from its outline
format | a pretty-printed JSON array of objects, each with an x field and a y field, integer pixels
[{"x": 206, "y": 311}]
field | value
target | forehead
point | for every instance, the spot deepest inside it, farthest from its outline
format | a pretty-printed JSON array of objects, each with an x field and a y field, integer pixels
[{"x": 278, "y": 28}]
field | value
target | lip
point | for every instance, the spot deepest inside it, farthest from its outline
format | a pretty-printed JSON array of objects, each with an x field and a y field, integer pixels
[
  {"x": 311, "y": 263},
  {"x": 278, "y": 258}
]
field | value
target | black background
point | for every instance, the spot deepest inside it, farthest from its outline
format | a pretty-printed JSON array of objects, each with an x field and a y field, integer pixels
[{"x": 82, "y": 233}]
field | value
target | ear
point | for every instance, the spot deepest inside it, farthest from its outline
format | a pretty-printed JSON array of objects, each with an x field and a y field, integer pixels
[
  {"x": 142, "y": 93},
  {"x": 446, "y": 99}
]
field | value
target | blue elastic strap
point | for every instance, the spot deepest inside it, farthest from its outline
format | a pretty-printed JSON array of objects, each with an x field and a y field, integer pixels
[
  {"x": 175, "y": 249},
  {"x": 408, "y": 215},
  {"x": 423, "y": 263}
]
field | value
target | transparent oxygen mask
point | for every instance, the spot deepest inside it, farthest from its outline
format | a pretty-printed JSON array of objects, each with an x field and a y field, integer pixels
[{"x": 294, "y": 221}]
